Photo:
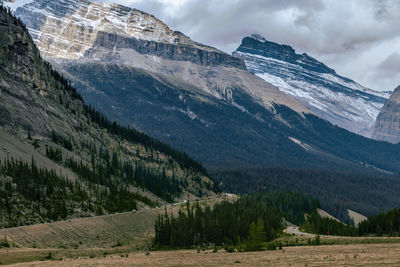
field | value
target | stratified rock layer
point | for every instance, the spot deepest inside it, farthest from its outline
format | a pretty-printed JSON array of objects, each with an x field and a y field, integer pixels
[
  {"x": 67, "y": 29},
  {"x": 387, "y": 126}
]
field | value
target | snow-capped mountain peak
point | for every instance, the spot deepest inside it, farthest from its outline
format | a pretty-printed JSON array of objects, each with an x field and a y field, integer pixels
[{"x": 337, "y": 99}]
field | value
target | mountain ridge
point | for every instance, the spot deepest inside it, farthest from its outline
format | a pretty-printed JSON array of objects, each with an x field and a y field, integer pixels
[
  {"x": 337, "y": 99},
  {"x": 100, "y": 21}
]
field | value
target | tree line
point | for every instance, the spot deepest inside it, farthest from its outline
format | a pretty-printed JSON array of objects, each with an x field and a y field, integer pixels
[
  {"x": 135, "y": 136},
  {"x": 246, "y": 222},
  {"x": 316, "y": 224},
  {"x": 384, "y": 223},
  {"x": 30, "y": 194},
  {"x": 225, "y": 223}
]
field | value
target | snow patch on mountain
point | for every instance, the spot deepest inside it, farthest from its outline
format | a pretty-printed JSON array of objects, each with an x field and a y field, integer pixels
[
  {"x": 74, "y": 26},
  {"x": 337, "y": 99},
  {"x": 18, "y": 3}
]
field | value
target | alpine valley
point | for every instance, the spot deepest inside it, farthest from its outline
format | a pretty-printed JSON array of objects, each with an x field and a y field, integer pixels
[{"x": 264, "y": 118}]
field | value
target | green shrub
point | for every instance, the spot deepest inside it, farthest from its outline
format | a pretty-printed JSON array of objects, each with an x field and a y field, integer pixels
[
  {"x": 271, "y": 246},
  {"x": 230, "y": 249},
  {"x": 4, "y": 243}
]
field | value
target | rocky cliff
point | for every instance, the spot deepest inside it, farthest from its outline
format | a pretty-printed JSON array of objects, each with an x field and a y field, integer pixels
[
  {"x": 387, "y": 125},
  {"x": 70, "y": 29},
  {"x": 337, "y": 99}
]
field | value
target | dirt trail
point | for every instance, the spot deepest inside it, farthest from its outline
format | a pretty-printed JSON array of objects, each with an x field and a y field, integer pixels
[{"x": 295, "y": 230}]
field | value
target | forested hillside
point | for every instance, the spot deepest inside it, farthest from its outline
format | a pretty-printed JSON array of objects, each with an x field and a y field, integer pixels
[
  {"x": 61, "y": 158},
  {"x": 366, "y": 193}
]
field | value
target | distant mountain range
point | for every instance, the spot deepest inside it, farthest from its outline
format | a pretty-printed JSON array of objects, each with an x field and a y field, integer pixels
[
  {"x": 337, "y": 99},
  {"x": 142, "y": 74}
]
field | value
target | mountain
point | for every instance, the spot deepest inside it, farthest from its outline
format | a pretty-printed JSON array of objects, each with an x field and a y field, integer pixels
[
  {"x": 155, "y": 79},
  {"x": 387, "y": 127},
  {"x": 60, "y": 158},
  {"x": 337, "y": 99},
  {"x": 86, "y": 29},
  {"x": 144, "y": 75}
]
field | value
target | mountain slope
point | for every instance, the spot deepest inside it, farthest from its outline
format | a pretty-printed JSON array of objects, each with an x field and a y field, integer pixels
[
  {"x": 215, "y": 110},
  {"x": 131, "y": 66},
  {"x": 62, "y": 159},
  {"x": 387, "y": 125},
  {"x": 337, "y": 99}
]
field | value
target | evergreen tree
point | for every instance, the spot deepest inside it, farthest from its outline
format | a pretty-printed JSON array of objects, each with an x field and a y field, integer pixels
[{"x": 256, "y": 236}]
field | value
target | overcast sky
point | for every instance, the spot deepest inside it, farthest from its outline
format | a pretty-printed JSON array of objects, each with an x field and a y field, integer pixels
[{"x": 360, "y": 39}]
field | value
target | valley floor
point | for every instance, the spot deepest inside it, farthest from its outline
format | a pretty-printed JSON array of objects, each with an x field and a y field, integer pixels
[
  {"x": 123, "y": 240},
  {"x": 333, "y": 255}
]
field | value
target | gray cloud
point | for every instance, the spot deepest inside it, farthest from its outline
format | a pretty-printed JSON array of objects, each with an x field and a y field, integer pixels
[
  {"x": 390, "y": 66},
  {"x": 351, "y": 36}
]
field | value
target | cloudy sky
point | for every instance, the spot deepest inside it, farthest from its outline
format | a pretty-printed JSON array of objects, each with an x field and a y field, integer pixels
[{"x": 360, "y": 39}]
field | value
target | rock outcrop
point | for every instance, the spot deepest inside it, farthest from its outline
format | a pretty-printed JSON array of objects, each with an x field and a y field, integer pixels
[
  {"x": 387, "y": 125},
  {"x": 68, "y": 29}
]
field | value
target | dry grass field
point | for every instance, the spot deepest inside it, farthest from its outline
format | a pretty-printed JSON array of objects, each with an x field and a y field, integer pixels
[
  {"x": 123, "y": 239},
  {"x": 133, "y": 229},
  {"x": 95, "y": 232},
  {"x": 334, "y": 255}
]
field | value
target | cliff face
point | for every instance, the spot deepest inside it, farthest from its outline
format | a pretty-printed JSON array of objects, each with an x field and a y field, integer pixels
[
  {"x": 387, "y": 125},
  {"x": 257, "y": 45},
  {"x": 69, "y": 29},
  {"x": 20, "y": 68},
  {"x": 337, "y": 99},
  {"x": 191, "y": 53}
]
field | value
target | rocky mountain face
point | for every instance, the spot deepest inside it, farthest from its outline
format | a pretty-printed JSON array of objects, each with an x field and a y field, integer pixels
[
  {"x": 387, "y": 125},
  {"x": 61, "y": 159},
  {"x": 140, "y": 73},
  {"x": 337, "y": 99},
  {"x": 78, "y": 29},
  {"x": 81, "y": 31}
]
